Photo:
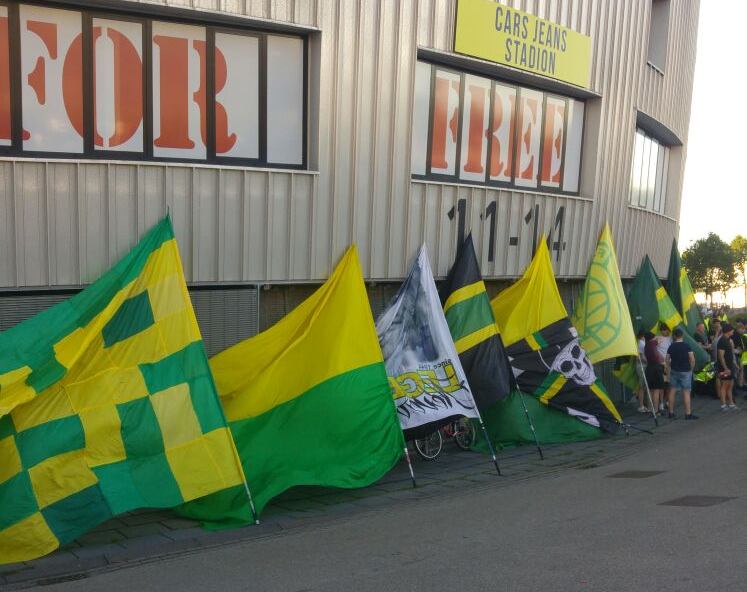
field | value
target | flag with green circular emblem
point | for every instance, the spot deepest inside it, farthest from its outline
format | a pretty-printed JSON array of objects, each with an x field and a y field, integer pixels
[
  {"x": 107, "y": 404},
  {"x": 601, "y": 314}
]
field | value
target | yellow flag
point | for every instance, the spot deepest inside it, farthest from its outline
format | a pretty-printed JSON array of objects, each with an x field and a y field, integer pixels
[
  {"x": 543, "y": 346},
  {"x": 518, "y": 316},
  {"x": 601, "y": 315}
]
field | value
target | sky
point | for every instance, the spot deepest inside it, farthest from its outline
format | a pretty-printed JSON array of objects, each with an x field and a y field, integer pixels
[{"x": 714, "y": 195}]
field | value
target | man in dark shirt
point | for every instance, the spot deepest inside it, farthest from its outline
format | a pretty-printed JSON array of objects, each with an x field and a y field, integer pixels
[
  {"x": 726, "y": 368},
  {"x": 680, "y": 361},
  {"x": 700, "y": 336}
]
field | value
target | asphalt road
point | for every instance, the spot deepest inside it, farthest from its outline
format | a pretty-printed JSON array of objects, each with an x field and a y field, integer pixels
[{"x": 579, "y": 530}]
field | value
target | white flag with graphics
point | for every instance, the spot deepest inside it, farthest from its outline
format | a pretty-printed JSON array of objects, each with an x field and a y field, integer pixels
[{"x": 427, "y": 379}]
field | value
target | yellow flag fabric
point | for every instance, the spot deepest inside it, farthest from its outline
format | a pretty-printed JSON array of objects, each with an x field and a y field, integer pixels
[
  {"x": 109, "y": 407},
  {"x": 288, "y": 359},
  {"x": 543, "y": 346},
  {"x": 601, "y": 315},
  {"x": 308, "y": 400},
  {"x": 518, "y": 316}
]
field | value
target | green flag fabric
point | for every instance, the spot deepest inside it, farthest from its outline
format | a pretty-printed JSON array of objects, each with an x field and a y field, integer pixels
[
  {"x": 474, "y": 330},
  {"x": 107, "y": 405},
  {"x": 673, "y": 279},
  {"x": 650, "y": 305},
  {"x": 308, "y": 401},
  {"x": 681, "y": 292},
  {"x": 549, "y": 364}
]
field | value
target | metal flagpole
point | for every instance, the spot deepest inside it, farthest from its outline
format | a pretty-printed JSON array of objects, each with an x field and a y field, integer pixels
[
  {"x": 409, "y": 465},
  {"x": 487, "y": 438},
  {"x": 251, "y": 501},
  {"x": 645, "y": 383},
  {"x": 479, "y": 418},
  {"x": 485, "y": 433},
  {"x": 531, "y": 423},
  {"x": 236, "y": 456},
  {"x": 648, "y": 392}
]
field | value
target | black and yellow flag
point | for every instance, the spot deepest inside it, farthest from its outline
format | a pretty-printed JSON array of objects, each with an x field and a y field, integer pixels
[
  {"x": 544, "y": 348},
  {"x": 473, "y": 328}
]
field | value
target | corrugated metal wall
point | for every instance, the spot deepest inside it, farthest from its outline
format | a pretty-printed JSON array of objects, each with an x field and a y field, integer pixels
[
  {"x": 63, "y": 222},
  {"x": 226, "y": 316}
]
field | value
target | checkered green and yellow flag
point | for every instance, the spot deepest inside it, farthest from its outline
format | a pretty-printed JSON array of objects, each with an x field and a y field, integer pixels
[{"x": 107, "y": 404}]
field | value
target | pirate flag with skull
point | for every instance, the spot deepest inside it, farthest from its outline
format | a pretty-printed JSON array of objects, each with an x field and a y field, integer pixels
[
  {"x": 544, "y": 349},
  {"x": 552, "y": 365}
]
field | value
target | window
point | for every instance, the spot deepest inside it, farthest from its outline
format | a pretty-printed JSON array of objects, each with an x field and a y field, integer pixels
[
  {"x": 658, "y": 34},
  {"x": 472, "y": 129},
  {"x": 648, "y": 182},
  {"x": 99, "y": 85}
]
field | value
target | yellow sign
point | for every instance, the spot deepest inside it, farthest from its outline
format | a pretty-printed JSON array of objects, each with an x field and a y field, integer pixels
[{"x": 499, "y": 33}]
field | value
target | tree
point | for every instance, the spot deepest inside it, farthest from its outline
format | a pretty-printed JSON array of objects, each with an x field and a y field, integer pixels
[
  {"x": 739, "y": 249},
  {"x": 710, "y": 265}
]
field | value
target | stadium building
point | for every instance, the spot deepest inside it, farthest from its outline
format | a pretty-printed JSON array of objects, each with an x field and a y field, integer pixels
[{"x": 277, "y": 132}]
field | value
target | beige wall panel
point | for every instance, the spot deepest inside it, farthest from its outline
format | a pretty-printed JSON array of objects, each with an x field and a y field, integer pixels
[
  {"x": 63, "y": 223},
  {"x": 8, "y": 228}
]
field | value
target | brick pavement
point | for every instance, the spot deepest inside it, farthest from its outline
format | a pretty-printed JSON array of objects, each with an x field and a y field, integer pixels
[{"x": 149, "y": 535}]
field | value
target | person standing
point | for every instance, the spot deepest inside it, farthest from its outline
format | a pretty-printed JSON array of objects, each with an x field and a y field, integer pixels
[
  {"x": 641, "y": 373},
  {"x": 740, "y": 347},
  {"x": 726, "y": 368},
  {"x": 680, "y": 361},
  {"x": 700, "y": 336},
  {"x": 663, "y": 341},
  {"x": 654, "y": 370},
  {"x": 715, "y": 336}
]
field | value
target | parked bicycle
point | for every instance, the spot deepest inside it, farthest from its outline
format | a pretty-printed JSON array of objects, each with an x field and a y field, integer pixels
[{"x": 461, "y": 431}]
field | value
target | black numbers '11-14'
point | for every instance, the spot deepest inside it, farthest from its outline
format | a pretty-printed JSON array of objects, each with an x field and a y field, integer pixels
[{"x": 530, "y": 218}]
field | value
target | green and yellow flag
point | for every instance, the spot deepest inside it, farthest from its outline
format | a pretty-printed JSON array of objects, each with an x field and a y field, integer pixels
[
  {"x": 681, "y": 292},
  {"x": 543, "y": 347},
  {"x": 601, "y": 314},
  {"x": 650, "y": 304},
  {"x": 107, "y": 405},
  {"x": 308, "y": 400}
]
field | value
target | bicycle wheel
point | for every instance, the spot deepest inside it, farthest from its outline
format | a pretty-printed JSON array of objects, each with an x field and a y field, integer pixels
[
  {"x": 430, "y": 446},
  {"x": 464, "y": 434}
]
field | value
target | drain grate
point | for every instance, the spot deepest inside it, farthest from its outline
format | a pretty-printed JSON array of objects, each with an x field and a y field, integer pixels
[
  {"x": 697, "y": 501},
  {"x": 635, "y": 474}
]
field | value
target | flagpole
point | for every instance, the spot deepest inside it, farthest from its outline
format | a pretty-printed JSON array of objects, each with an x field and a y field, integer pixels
[
  {"x": 648, "y": 392},
  {"x": 487, "y": 438},
  {"x": 484, "y": 431},
  {"x": 531, "y": 423},
  {"x": 479, "y": 418},
  {"x": 246, "y": 485},
  {"x": 409, "y": 465},
  {"x": 236, "y": 456},
  {"x": 645, "y": 383}
]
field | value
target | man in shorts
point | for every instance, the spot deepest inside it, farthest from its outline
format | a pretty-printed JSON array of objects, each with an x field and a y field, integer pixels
[
  {"x": 680, "y": 361},
  {"x": 726, "y": 368}
]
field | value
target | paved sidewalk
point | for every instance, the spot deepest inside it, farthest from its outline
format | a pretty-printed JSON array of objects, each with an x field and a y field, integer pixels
[{"x": 149, "y": 535}]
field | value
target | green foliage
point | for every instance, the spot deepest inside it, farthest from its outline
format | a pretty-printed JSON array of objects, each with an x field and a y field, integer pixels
[
  {"x": 710, "y": 264},
  {"x": 739, "y": 249}
]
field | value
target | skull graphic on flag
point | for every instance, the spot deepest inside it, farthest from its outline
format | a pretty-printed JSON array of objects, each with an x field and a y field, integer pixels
[{"x": 552, "y": 365}]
